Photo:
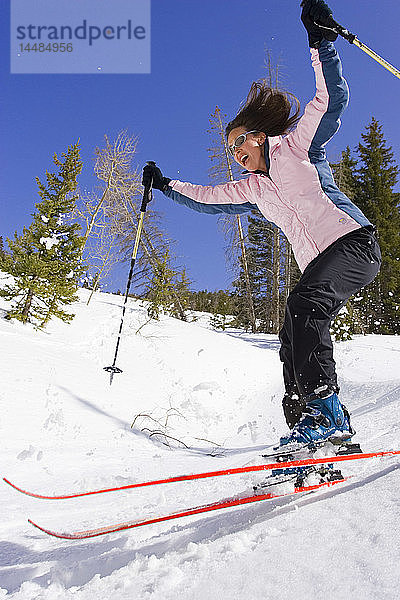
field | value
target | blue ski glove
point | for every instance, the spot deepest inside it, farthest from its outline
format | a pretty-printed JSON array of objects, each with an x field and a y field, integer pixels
[
  {"x": 318, "y": 20},
  {"x": 152, "y": 177}
]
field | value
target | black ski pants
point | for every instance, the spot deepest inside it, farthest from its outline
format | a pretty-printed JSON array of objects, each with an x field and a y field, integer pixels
[{"x": 327, "y": 283}]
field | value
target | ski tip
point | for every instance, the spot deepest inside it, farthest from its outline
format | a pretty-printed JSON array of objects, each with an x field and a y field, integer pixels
[
  {"x": 39, "y": 527},
  {"x": 26, "y": 492},
  {"x": 11, "y": 484},
  {"x": 62, "y": 536}
]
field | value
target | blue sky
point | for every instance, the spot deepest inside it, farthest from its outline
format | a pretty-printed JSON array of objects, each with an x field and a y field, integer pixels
[{"x": 203, "y": 54}]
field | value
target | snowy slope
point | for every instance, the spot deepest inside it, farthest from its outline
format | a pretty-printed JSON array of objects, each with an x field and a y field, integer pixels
[{"x": 199, "y": 400}]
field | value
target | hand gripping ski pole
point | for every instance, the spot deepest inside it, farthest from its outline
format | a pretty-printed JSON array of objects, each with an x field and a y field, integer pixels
[
  {"x": 147, "y": 197},
  {"x": 352, "y": 39}
]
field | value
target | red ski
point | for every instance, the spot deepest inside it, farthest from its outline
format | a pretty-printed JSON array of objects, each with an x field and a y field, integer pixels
[
  {"x": 227, "y": 503},
  {"x": 234, "y": 471}
]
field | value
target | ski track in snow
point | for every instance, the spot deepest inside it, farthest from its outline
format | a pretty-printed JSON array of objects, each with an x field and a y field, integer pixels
[{"x": 207, "y": 400}]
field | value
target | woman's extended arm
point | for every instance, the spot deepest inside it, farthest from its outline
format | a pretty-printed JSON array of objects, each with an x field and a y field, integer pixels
[
  {"x": 234, "y": 197},
  {"x": 321, "y": 117}
]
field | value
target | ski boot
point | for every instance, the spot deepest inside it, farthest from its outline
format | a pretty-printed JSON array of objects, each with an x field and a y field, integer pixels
[{"x": 324, "y": 419}]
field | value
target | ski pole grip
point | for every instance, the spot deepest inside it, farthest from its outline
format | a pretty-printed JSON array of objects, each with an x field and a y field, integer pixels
[
  {"x": 334, "y": 26},
  {"x": 147, "y": 193}
]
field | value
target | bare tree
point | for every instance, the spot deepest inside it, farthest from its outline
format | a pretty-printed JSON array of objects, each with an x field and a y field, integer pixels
[
  {"x": 223, "y": 170},
  {"x": 110, "y": 215},
  {"x": 284, "y": 269},
  {"x": 113, "y": 169},
  {"x": 103, "y": 259}
]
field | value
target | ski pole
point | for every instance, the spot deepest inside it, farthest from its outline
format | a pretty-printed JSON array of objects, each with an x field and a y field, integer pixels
[
  {"x": 147, "y": 197},
  {"x": 352, "y": 39}
]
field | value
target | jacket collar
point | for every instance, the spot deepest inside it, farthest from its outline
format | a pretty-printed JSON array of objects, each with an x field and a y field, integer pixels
[{"x": 269, "y": 145}]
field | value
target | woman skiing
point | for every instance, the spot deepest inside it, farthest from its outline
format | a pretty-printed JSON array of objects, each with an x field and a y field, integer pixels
[{"x": 290, "y": 182}]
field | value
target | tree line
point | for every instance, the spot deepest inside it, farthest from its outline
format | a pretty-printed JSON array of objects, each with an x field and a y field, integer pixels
[{"x": 77, "y": 236}]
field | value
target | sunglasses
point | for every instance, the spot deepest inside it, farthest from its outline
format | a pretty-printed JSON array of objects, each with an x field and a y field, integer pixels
[{"x": 240, "y": 140}]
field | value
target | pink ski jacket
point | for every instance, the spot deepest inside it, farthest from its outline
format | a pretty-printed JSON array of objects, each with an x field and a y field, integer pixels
[{"x": 298, "y": 193}]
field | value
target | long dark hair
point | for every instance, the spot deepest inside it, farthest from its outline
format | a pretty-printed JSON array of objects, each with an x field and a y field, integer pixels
[{"x": 267, "y": 109}]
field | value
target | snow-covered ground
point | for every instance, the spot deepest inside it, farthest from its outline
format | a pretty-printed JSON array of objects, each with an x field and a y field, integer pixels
[{"x": 198, "y": 400}]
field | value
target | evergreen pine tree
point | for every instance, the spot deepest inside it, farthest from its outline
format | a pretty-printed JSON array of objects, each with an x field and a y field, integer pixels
[
  {"x": 222, "y": 313},
  {"x": 201, "y": 301},
  {"x": 180, "y": 301},
  {"x": 158, "y": 291},
  {"x": 376, "y": 178},
  {"x": 342, "y": 326},
  {"x": 345, "y": 324},
  {"x": 2, "y": 253},
  {"x": 266, "y": 274},
  {"x": 344, "y": 174},
  {"x": 45, "y": 258}
]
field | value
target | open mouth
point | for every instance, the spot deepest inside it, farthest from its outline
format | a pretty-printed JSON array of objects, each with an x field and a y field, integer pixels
[{"x": 244, "y": 159}]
